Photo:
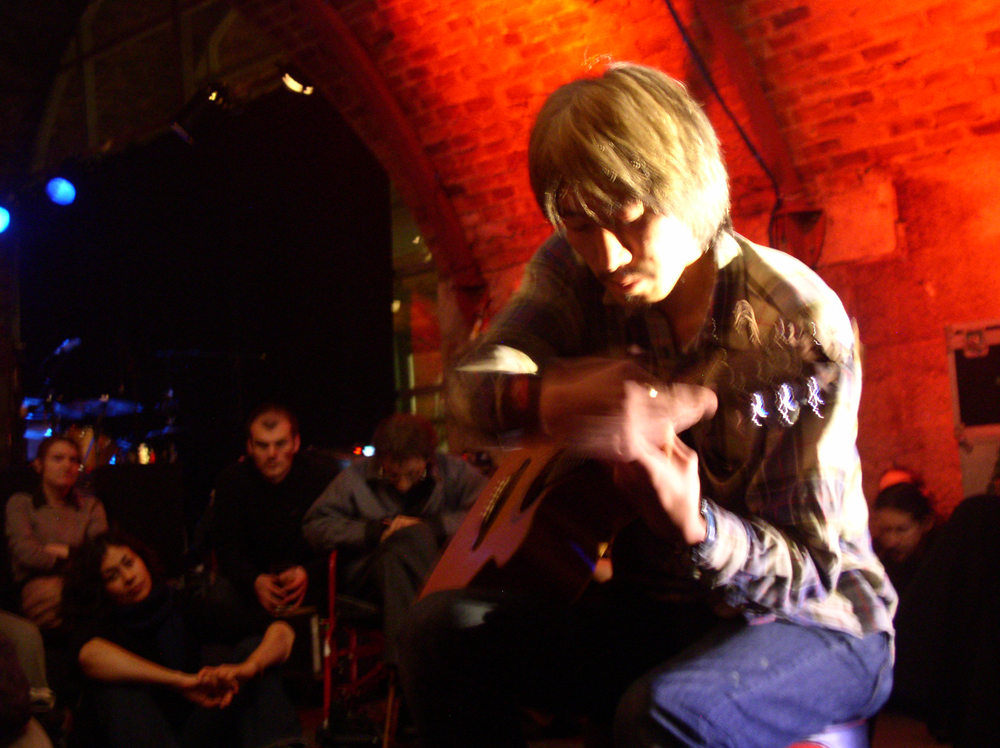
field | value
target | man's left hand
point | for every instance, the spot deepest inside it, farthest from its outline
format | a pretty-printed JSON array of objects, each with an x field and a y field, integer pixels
[
  {"x": 294, "y": 582},
  {"x": 398, "y": 523},
  {"x": 664, "y": 481}
]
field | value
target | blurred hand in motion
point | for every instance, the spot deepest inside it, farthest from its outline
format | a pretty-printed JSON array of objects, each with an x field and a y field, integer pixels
[{"x": 606, "y": 408}]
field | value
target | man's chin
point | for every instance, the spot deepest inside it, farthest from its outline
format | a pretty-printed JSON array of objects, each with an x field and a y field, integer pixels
[{"x": 631, "y": 300}]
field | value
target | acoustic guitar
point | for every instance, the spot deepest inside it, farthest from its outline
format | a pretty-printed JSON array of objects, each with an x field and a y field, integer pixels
[
  {"x": 545, "y": 517},
  {"x": 538, "y": 526}
]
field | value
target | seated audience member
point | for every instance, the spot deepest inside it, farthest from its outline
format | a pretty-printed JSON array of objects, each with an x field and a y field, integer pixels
[
  {"x": 947, "y": 645},
  {"x": 44, "y": 525},
  {"x": 18, "y": 729},
  {"x": 390, "y": 515},
  {"x": 256, "y": 527},
  {"x": 902, "y": 524},
  {"x": 146, "y": 680}
]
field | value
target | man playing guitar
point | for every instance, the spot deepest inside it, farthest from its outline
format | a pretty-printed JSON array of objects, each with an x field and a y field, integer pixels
[{"x": 746, "y": 605}]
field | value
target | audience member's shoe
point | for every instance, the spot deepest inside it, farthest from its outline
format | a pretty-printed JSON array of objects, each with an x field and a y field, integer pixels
[
  {"x": 42, "y": 699},
  {"x": 349, "y": 731},
  {"x": 289, "y": 743}
]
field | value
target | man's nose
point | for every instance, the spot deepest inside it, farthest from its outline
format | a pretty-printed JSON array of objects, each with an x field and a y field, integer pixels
[{"x": 612, "y": 255}]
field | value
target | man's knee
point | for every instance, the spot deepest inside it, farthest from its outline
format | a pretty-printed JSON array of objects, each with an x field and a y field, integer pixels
[
  {"x": 405, "y": 542},
  {"x": 409, "y": 553},
  {"x": 425, "y": 619},
  {"x": 657, "y": 710}
]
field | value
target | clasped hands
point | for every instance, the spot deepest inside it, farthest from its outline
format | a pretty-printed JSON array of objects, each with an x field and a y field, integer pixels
[
  {"x": 282, "y": 593},
  {"x": 615, "y": 411},
  {"x": 216, "y": 686}
]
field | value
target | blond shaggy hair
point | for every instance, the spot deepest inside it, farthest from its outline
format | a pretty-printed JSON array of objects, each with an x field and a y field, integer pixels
[{"x": 631, "y": 134}]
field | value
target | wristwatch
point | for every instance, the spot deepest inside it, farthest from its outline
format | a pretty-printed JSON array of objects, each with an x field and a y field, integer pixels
[{"x": 700, "y": 550}]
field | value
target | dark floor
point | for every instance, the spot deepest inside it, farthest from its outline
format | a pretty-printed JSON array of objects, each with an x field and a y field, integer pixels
[{"x": 891, "y": 731}]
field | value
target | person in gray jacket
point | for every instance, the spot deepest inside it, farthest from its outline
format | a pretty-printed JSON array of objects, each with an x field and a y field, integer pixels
[{"x": 389, "y": 516}]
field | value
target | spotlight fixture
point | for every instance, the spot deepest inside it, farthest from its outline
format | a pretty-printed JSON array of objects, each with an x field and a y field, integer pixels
[
  {"x": 61, "y": 191},
  {"x": 295, "y": 81},
  {"x": 4, "y": 219},
  {"x": 210, "y": 97}
]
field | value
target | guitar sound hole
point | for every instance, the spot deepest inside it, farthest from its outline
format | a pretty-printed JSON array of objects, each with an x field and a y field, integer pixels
[
  {"x": 557, "y": 468},
  {"x": 497, "y": 502}
]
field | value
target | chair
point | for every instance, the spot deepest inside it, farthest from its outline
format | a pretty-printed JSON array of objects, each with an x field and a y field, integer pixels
[
  {"x": 848, "y": 735},
  {"x": 353, "y": 645}
]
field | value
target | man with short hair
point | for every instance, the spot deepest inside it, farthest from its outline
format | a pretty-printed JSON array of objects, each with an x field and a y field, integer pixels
[
  {"x": 746, "y": 606},
  {"x": 389, "y": 516},
  {"x": 257, "y": 510}
]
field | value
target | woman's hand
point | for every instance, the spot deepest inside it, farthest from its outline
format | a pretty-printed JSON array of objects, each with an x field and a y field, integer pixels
[
  {"x": 41, "y": 601},
  {"x": 59, "y": 550},
  {"x": 207, "y": 691}
]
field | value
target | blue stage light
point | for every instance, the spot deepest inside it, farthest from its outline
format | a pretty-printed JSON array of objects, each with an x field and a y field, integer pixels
[
  {"x": 4, "y": 219},
  {"x": 61, "y": 191}
]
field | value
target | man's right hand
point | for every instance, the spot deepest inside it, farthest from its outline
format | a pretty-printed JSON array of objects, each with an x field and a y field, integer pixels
[
  {"x": 270, "y": 593},
  {"x": 600, "y": 406},
  {"x": 398, "y": 523}
]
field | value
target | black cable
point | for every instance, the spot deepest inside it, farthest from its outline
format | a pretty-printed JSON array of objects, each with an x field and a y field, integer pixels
[{"x": 700, "y": 62}]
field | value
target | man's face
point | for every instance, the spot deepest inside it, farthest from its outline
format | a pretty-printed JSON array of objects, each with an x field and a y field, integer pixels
[
  {"x": 403, "y": 474},
  {"x": 637, "y": 254},
  {"x": 896, "y": 533},
  {"x": 273, "y": 446}
]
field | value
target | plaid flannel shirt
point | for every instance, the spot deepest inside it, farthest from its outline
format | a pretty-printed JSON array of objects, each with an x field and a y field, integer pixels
[{"x": 778, "y": 463}]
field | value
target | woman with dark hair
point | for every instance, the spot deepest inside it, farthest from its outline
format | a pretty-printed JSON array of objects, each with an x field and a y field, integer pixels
[
  {"x": 44, "y": 525},
  {"x": 148, "y": 681},
  {"x": 903, "y": 525}
]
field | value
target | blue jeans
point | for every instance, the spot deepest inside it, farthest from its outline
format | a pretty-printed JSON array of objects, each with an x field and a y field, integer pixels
[{"x": 662, "y": 674}]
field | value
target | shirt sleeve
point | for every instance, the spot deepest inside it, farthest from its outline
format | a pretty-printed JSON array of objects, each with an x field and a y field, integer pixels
[
  {"x": 334, "y": 520},
  {"x": 494, "y": 390},
  {"x": 97, "y": 522},
  {"x": 804, "y": 532},
  {"x": 463, "y": 485},
  {"x": 26, "y": 547}
]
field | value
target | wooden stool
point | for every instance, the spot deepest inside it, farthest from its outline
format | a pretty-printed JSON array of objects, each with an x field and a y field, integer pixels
[{"x": 847, "y": 735}]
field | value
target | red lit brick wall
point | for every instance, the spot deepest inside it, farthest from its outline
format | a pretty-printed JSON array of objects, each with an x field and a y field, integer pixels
[{"x": 891, "y": 111}]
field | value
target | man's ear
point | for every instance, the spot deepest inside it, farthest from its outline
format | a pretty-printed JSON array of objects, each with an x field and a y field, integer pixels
[
  {"x": 37, "y": 465},
  {"x": 296, "y": 443}
]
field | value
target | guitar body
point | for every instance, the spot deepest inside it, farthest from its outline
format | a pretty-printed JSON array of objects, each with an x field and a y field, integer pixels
[{"x": 539, "y": 526}]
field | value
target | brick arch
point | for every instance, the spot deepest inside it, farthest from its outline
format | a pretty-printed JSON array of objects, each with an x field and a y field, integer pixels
[
  {"x": 891, "y": 112},
  {"x": 326, "y": 49}
]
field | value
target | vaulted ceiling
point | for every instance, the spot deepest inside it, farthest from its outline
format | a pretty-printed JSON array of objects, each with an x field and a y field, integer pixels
[{"x": 33, "y": 38}]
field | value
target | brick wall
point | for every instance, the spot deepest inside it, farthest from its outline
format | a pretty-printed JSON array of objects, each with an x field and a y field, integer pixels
[{"x": 891, "y": 111}]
